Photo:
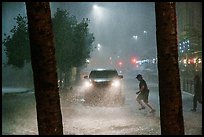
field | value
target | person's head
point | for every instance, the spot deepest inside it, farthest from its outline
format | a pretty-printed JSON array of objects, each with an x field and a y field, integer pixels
[{"x": 139, "y": 77}]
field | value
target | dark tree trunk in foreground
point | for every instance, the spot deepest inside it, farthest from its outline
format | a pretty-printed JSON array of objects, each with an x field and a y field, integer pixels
[
  {"x": 171, "y": 113},
  {"x": 43, "y": 61}
]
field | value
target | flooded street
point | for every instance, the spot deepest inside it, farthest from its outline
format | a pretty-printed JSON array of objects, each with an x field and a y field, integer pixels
[
  {"x": 86, "y": 119},
  {"x": 110, "y": 119}
]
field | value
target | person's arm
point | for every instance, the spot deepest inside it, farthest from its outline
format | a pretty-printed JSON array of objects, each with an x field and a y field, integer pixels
[
  {"x": 141, "y": 89},
  {"x": 138, "y": 92}
]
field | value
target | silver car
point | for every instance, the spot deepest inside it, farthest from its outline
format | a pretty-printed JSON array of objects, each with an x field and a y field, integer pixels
[{"x": 104, "y": 86}]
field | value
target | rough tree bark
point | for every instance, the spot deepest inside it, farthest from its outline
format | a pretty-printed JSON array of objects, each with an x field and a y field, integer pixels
[
  {"x": 171, "y": 113},
  {"x": 43, "y": 61}
]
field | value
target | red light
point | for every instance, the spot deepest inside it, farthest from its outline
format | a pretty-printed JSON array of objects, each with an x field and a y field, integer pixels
[
  {"x": 191, "y": 61},
  {"x": 120, "y": 63},
  {"x": 133, "y": 60}
]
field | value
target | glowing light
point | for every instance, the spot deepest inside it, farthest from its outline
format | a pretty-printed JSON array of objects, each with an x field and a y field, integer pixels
[
  {"x": 133, "y": 60},
  {"x": 87, "y": 84},
  {"x": 99, "y": 46},
  {"x": 120, "y": 63},
  {"x": 98, "y": 12},
  {"x": 185, "y": 61},
  {"x": 135, "y": 37},
  {"x": 87, "y": 60},
  {"x": 194, "y": 60},
  {"x": 95, "y": 7},
  {"x": 116, "y": 83},
  {"x": 199, "y": 60}
]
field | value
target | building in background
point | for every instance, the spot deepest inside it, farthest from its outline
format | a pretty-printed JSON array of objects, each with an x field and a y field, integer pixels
[{"x": 189, "y": 19}]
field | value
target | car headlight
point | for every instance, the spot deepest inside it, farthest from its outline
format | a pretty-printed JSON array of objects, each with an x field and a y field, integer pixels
[
  {"x": 116, "y": 83},
  {"x": 87, "y": 84}
]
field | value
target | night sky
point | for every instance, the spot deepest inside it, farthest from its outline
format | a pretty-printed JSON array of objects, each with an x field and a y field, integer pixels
[{"x": 123, "y": 29}]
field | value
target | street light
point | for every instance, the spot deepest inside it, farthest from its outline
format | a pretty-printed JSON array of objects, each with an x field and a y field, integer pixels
[
  {"x": 95, "y": 7},
  {"x": 145, "y": 32},
  {"x": 135, "y": 37},
  {"x": 98, "y": 12},
  {"x": 99, "y": 47}
]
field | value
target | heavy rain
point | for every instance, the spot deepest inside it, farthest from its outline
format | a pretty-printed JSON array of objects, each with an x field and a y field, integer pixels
[{"x": 120, "y": 43}]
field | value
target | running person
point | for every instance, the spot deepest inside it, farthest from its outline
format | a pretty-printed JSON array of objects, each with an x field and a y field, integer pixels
[{"x": 143, "y": 94}]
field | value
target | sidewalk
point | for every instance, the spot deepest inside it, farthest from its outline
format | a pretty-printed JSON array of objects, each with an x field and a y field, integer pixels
[{"x": 16, "y": 90}]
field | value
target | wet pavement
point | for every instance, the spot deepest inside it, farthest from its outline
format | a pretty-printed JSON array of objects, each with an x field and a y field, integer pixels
[{"x": 19, "y": 114}]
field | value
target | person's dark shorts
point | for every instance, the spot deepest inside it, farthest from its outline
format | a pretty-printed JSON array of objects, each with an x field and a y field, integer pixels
[{"x": 143, "y": 96}]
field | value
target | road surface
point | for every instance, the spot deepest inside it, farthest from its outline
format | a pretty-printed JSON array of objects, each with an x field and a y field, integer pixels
[{"x": 19, "y": 114}]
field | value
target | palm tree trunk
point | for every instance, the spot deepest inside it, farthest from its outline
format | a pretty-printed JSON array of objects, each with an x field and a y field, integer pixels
[
  {"x": 171, "y": 114},
  {"x": 44, "y": 68}
]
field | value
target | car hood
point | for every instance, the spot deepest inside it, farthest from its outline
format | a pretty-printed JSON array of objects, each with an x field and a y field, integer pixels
[{"x": 102, "y": 79}]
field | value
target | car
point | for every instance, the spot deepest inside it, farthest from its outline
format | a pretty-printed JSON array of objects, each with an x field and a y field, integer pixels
[{"x": 103, "y": 86}]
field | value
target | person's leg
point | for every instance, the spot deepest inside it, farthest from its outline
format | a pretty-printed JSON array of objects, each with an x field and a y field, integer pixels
[
  {"x": 200, "y": 99},
  {"x": 147, "y": 104},
  {"x": 140, "y": 102},
  {"x": 145, "y": 99},
  {"x": 194, "y": 103}
]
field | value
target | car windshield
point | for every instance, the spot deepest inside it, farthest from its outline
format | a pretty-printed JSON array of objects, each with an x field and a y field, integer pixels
[{"x": 103, "y": 74}]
